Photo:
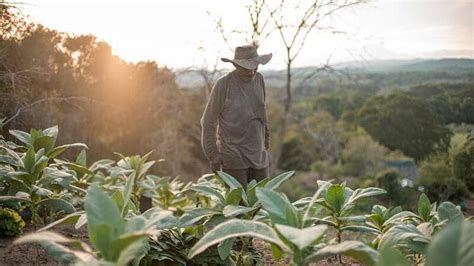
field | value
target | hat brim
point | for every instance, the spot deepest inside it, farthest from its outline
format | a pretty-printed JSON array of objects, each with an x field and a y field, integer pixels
[{"x": 251, "y": 63}]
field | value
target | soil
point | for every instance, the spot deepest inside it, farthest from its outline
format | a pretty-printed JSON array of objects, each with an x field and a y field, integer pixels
[
  {"x": 268, "y": 258},
  {"x": 33, "y": 254}
]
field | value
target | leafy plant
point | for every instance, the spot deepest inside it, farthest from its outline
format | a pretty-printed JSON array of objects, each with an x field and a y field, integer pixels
[
  {"x": 339, "y": 201},
  {"x": 115, "y": 239},
  {"x": 11, "y": 222},
  {"x": 303, "y": 245},
  {"x": 28, "y": 177},
  {"x": 416, "y": 231}
]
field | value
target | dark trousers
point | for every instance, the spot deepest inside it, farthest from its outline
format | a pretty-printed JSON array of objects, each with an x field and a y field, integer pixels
[{"x": 246, "y": 175}]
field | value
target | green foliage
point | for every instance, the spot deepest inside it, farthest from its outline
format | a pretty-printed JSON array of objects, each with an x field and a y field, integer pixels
[
  {"x": 454, "y": 103},
  {"x": 363, "y": 157},
  {"x": 115, "y": 239},
  {"x": 405, "y": 123},
  {"x": 463, "y": 163},
  {"x": 453, "y": 246},
  {"x": 11, "y": 222},
  {"x": 294, "y": 156},
  {"x": 217, "y": 217},
  {"x": 437, "y": 178},
  {"x": 390, "y": 180},
  {"x": 339, "y": 201},
  {"x": 29, "y": 177}
]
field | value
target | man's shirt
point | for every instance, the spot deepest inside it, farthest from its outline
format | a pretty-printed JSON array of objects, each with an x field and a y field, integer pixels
[{"x": 234, "y": 123}]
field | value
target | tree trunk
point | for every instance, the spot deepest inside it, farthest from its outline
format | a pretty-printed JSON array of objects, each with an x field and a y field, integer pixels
[{"x": 284, "y": 124}]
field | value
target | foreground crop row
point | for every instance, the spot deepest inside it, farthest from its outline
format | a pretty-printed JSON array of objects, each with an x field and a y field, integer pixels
[{"x": 213, "y": 220}]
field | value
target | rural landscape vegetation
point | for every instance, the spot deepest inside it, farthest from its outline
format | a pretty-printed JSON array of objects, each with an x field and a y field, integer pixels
[{"x": 101, "y": 160}]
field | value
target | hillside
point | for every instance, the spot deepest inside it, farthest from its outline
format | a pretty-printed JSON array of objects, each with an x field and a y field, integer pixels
[{"x": 386, "y": 74}]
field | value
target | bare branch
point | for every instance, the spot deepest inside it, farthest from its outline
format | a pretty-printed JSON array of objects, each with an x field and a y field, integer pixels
[{"x": 55, "y": 99}]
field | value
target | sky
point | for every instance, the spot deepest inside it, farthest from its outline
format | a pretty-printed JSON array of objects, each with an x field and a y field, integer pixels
[{"x": 181, "y": 33}]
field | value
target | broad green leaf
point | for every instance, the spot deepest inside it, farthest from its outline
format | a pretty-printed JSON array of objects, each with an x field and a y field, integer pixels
[
  {"x": 192, "y": 216},
  {"x": 117, "y": 198},
  {"x": 124, "y": 241},
  {"x": 79, "y": 169},
  {"x": 41, "y": 191},
  {"x": 426, "y": 228},
  {"x": 251, "y": 190},
  {"x": 51, "y": 131},
  {"x": 274, "y": 203},
  {"x": 52, "y": 242},
  {"x": 157, "y": 218},
  {"x": 39, "y": 166},
  {"x": 424, "y": 207},
  {"x": 104, "y": 220},
  {"x": 29, "y": 159},
  {"x": 209, "y": 191},
  {"x": 322, "y": 188},
  {"x": 234, "y": 196},
  {"x": 301, "y": 237},
  {"x": 13, "y": 198},
  {"x": 127, "y": 193},
  {"x": 229, "y": 180},
  {"x": 448, "y": 211},
  {"x": 353, "y": 249},
  {"x": 82, "y": 221},
  {"x": 81, "y": 158},
  {"x": 136, "y": 223},
  {"x": 57, "y": 205},
  {"x": 274, "y": 183},
  {"x": 225, "y": 247},
  {"x": 68, "y": 219},
  {"x": 277, "y": 252},
  {"x": 44, "y": 142},
  {"x": 235, "y": 210},
  {"x": 391, "y": 256},
  {"x": 101, "y": 237},
  {"x": 132, "y": 253},
  {"x": 353, "y": 219},
  {"x": 232, "y": 229},
  {"x": 363, "y": 193},
  {"x": 335, "y": 197},
  {"x": 360, "y": 228},
  {"x": 21, "y": 136},
  {"x": 454, "y": 245},
  {"x": 10, "y": 160},
  {"x": 397, "y": 217},
  {"x": 15, "y": 155},
  {"x": 101, "y": 164},
  {"x": 60, "y": 149},
  {"x": 403, "y": 234}
]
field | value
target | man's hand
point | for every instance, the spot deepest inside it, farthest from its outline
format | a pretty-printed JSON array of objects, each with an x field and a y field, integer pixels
[{"x": 216, "y": 164}]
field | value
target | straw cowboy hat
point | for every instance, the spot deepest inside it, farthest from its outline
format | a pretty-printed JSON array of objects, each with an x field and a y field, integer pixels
[{"x": 247, "y": 57}]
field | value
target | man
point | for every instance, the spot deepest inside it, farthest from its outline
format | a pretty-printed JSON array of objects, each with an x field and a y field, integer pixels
[{"x": 235, "y": 135}]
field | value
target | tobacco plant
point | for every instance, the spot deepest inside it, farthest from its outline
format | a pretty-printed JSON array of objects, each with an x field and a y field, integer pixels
[
  {"x": 115, "y": 239},
  {"x": 27, "y": 176}
]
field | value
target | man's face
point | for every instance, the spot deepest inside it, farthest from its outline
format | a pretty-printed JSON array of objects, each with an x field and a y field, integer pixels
[{"x": 246, "y": 74}]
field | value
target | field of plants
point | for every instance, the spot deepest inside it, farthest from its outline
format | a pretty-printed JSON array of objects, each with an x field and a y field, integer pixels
[{"x": 133, "y": 217}]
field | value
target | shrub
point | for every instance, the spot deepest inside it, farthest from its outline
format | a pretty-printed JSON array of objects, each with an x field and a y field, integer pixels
[
  {"x": 439, "y": 182},
  {"x": 11, "y": 222}
]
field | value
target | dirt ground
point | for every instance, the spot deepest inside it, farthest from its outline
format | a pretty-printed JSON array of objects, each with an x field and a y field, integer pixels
[{"x": 32, "y": 254}]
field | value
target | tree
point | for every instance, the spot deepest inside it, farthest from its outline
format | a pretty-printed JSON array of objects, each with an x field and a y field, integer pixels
[
  {"x": 363, "y": 157},
  {"x": 292, "y": 22},
  {"x": 405, "y": 123},
  {"x": 463, "y": 163},
  {"x": 437, "y": 178}
]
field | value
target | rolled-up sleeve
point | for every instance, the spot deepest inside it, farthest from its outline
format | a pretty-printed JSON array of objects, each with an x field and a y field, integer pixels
[{"x": 210, "y": 120}]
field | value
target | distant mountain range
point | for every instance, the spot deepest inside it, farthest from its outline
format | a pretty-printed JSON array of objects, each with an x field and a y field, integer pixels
[{"x": 449, "y": 68}]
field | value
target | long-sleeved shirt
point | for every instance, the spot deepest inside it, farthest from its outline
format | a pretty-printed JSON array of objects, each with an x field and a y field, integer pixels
[{"x": 234, "y": 123}]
